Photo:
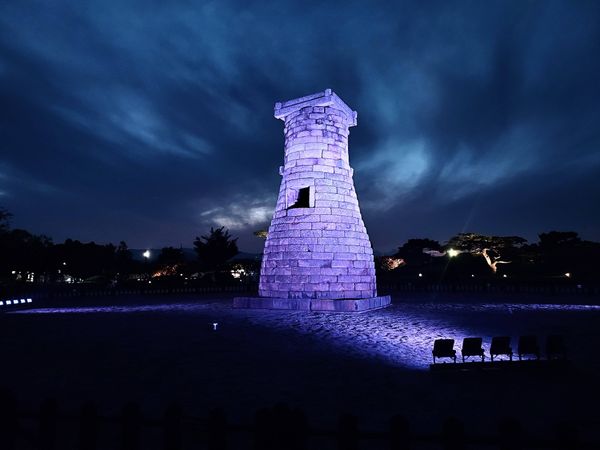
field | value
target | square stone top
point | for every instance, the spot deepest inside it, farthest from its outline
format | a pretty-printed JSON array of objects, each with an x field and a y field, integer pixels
[{"x": 324, "y": 98}]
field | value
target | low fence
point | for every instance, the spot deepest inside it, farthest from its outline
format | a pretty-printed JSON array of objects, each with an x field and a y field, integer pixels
[
  {"x": 496, "y": 288},
  {"x": 276, "y": 428},
  {"x": 85, "y": 291},
  {"x": 536, "y": 290}
]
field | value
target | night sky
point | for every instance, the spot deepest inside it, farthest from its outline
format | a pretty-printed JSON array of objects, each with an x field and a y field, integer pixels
[{"x": 149, "y": 122}]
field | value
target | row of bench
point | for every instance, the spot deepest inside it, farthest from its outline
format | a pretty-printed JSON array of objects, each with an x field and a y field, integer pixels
[{"x": 500, "y": 346}]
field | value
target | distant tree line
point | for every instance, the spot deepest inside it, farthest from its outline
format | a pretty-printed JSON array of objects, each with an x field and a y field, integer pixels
[
  {"x": 556, "y": 257},
  {"x": 26, "y": 257}
]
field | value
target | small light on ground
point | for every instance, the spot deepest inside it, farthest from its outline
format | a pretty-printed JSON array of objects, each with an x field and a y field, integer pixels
[
  {"x": 215, "y": 325},
  {"x": 146, "y": 254},
  {"x": 472, "y": 276},
  {"x": 453, "y": 252},
  {"x": 504, "y": 276},
  {"x": 568, "y": 274},
  {"x": 420, "y": 275}
]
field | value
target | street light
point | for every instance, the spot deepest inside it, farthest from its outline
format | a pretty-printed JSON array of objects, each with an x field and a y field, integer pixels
[
  {"x": 453, "y": 252},
  {"x": 146, "y": 254}
]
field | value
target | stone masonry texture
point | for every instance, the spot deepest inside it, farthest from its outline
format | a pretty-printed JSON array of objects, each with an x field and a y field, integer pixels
[{"x": 317, "y": 246}]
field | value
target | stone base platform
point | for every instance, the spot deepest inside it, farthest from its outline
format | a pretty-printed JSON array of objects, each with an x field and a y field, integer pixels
[{"x": 312, "y": 304}]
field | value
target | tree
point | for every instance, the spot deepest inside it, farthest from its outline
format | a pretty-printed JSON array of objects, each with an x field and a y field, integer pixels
[
  {"x": 169, "y": 260},
  {"x": 564, "y": 252},
  {"x": 555, "y": 239},
  {"x": 21, "y": 251},
  {"x": 215, "y": 249},
  {"x": 492, "y": 248},
  {"x": 170, "y": 256},
  {"x": 123, "y": 260},
  {"x": 4, "y": 220},
  {"x": 416, "y": 252},
  {"x": 85, "y": 260}
]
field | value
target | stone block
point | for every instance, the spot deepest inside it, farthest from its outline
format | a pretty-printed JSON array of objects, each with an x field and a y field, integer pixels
[{"x": 314, "y": 263}]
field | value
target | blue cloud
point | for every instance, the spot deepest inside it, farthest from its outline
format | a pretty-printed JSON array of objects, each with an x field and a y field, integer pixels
[{"x": 162, "y": 114}]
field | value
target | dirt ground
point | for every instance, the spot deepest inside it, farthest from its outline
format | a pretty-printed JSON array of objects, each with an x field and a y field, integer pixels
[{"x": 373, "y": 364}]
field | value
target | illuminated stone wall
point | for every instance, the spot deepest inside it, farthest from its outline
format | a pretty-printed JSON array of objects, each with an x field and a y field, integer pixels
[{"x": 317, "y": 246}]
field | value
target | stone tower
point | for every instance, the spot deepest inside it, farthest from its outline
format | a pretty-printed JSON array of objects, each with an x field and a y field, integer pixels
[{"x": 317, "y": 254}]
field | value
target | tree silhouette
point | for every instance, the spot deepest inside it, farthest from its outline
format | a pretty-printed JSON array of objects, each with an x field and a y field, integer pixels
[
  {"x": 123, "y": 260},
  {"x": 556, "y": 239},
  {"x": 562, "y": 252},
  {"x": 416, "y": 251},
  {"x": 492, "y": 248},
  {"x": 85, "y": 260},
  {"x": 170, "y": 256},
  {"x": 22, "y": 251},
  {"x": 215, "y": 249},
  {"x": 169, "y": 261},
  {"x": 4, "y": 220}
]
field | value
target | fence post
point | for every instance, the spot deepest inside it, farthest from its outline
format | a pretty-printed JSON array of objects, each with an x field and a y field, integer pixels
[
  {"x": 300, "y": 426},
  {"x": 263, "y": 432},
  {"x": 47, "y": 425},
  {"x": 453, "y": 434},
  {"x": 9, "y": 422},
  {"x": 510, "y": 435},
  {"x": 88, "y": 427},
  {"x": 131, "y": 422},
  {"x": 348, "y": 432},
  {"x": 399, "y": 433},
  {"x": 217, "y": 430},
  {"x": 172, "y": 427}
]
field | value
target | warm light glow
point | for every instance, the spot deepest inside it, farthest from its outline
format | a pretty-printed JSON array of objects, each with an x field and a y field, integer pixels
[
  {"x": 453, "y": 252},
  {"x": 238, "y": 272},
  {"x": 390, "y": 263},
  {"x": 146, "y": 254}
]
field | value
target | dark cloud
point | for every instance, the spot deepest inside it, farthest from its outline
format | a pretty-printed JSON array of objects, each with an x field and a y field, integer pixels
[{"x": 150, "y": 123}]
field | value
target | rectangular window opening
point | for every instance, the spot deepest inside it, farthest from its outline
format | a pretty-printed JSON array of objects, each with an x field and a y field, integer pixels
[{"x": 301, "y": 198}]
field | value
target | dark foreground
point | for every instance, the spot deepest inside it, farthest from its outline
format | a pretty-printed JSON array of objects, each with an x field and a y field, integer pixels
[{"x": 373, "y": 365}]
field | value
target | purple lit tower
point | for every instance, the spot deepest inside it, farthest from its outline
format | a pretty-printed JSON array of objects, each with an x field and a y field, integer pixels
[{"x": 317, "y": 255}]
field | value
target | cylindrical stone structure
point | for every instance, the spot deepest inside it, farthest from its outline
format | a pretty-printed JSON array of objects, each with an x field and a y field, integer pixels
[{"x": 317, "y": 245}]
